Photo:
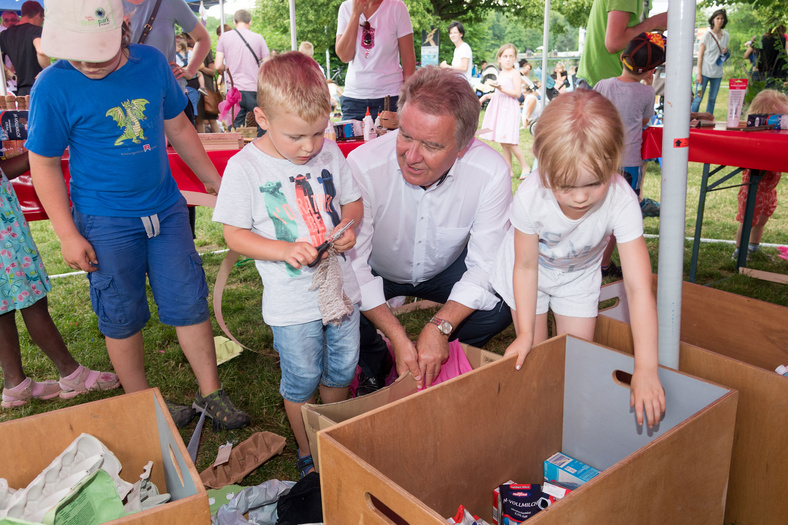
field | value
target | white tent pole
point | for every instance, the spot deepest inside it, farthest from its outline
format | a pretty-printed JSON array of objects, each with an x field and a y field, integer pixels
[
  {"x": 221, "y": 15},
  {"x": 293, "y": 41},
  {"x": 675, "y": 157},
  {"x": 545, "y": 40}
]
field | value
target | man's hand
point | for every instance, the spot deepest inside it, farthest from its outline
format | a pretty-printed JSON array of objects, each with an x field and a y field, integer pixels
[
  {"x": 407, "y": 359},
  {"x": 433, "y": 349},
  {"x": 78, "y": 253},
  {"x": 297, "y": 254}
]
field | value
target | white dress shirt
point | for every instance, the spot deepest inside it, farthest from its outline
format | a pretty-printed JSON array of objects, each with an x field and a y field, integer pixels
[{"x": 410, "y": 235}]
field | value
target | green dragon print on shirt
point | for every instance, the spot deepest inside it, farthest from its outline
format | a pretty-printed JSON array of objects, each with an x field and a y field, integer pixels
[
  {"x": 128, "y": 116},
  {"x": 282, "y": 216}
]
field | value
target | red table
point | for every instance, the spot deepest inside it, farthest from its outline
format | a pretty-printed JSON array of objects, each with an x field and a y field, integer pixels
[
  {"x": 186, "y": 179},
  {"x": 760, "y": 151}
]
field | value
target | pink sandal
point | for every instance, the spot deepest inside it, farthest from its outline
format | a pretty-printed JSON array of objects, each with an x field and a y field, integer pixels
[
  {"x": 84, "y": 379},
  {"x": 27, "y": 390}
]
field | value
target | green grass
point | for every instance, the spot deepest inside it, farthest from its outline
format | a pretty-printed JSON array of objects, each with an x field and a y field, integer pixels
[{"x": 252, "y": 379}]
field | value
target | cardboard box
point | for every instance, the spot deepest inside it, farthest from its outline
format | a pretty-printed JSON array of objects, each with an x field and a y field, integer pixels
[
  {"x": 319, "y": 417},
  {"x": 136, "y": 427},
  {"x": 738, "y": 342},
  {"x": 568, "y": 471},
  {"x": 417, "y": 459}
]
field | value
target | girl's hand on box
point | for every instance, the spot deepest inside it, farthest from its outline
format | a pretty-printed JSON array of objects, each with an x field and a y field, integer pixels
[
  {"x": 647, "y": 396},
  {"x": 298, "y": 254},
  {"x": 521, "y": 347}
]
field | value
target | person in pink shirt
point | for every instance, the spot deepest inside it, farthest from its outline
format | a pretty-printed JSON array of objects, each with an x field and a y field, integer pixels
[{"x": 242, "y": 51}]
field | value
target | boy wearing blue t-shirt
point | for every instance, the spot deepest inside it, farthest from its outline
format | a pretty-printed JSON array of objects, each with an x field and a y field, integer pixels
[
  {"x": 111, "y": 103},
  {"x": 281, "y": 196}
]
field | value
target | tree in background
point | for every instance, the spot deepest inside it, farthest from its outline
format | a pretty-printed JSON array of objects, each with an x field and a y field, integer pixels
[{"x": 519, "y": 21}]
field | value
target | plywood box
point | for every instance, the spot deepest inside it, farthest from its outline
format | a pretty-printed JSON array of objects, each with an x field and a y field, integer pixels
[
  {"x": 137, "y": 428},
  {"x": 417, "y": 459},
  {"x": 319, "y": 417},
  {"x": 737, "y": 342}
]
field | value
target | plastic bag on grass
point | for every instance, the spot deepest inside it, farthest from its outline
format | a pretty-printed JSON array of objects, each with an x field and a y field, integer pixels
[{"x": 259, "y": 501}]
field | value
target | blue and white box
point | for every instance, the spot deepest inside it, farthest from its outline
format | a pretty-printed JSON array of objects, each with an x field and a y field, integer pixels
[{"x": 567, "y": 470}]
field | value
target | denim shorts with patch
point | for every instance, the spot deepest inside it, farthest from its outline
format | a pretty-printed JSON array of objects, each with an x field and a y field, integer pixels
[
  {"x": 311, "y": 354},
  {"x": 130, "y": 248}
]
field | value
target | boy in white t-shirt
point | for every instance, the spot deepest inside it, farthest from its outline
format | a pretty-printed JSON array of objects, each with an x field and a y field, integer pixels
[
  {"x": 280, "y": 198},
  {"x": 562, "y": 218}
]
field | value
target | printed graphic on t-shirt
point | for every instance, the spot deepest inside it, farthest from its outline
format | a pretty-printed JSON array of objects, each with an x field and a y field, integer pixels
[
  {"x": 309, "y": 205},
  {"x": 128, "y": 116},
  {"x": 327, "y": 180},
  {"x": 285, "y": 226},
  {"x": 310, "y": 211}
]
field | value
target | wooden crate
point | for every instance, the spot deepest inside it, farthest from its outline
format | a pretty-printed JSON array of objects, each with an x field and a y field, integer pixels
[
  {"x": 137, "y": 428},
  {"x": 737, "y": 342},
  {"x": 416, "y": 460}
]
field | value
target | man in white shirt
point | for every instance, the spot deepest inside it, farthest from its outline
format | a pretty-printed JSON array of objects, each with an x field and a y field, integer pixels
[
  {"x": 242, "y": 51},
  {"x": 436, "y": 208}
]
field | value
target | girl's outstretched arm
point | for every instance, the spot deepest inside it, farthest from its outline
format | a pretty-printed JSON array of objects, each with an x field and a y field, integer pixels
[
  {"x": 647, "y": 395},
  {"x": 524, "y": 282}
]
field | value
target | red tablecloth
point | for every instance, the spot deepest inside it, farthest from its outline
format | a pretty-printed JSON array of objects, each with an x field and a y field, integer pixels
[
  {"x": 186, "y": 179},
  {"x": 761, "y": 150}
]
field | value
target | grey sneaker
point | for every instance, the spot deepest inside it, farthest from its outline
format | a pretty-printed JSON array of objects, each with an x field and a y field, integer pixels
[
  {"x": 649, "y": 208},
  {"x": 181, "y": 415},
  {"x": 224, "y": 414}
]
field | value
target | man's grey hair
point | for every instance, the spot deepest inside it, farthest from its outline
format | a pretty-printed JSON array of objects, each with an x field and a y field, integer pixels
[
  {"x": 242, "y": 15},
  {"x": 439, "y": 92}
]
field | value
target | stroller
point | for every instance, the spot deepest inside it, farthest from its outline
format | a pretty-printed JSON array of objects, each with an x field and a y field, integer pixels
[{"x": 489, "y": 74}]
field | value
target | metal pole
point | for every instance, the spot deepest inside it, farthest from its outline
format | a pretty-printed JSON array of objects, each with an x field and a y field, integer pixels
[
  {"x": 221, "y": 15},
  {"x": 293, "y": 41},
  {"x": 545, "y": 44},
  {"x": 675, "y": 158}
]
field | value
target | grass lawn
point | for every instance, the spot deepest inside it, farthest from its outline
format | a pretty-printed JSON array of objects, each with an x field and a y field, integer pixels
[{"x": 252, "y": 380}]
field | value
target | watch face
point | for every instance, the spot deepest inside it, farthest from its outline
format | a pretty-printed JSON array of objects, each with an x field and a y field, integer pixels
[{"x": 445, "y": 327}]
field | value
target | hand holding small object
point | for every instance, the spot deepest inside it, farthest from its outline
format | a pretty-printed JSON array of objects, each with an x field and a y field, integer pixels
[{"x": 329, "y": 241}]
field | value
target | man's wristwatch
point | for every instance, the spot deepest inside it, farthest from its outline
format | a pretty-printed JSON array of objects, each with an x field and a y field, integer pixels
[{"x": 443, "y": 325}]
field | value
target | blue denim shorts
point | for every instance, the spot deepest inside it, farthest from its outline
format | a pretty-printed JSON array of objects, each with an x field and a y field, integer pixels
[
  {"x": 126, "y": 255},
  {"x": 311, "y": 354}
]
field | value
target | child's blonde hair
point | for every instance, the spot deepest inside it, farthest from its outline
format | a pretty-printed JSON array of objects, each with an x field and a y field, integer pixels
[
  {"x": 769, "y": 101},
  {"x": 580, "y": 129},
  {"x": 293, "y": 82},
  {"x": 504, "y": 48}
]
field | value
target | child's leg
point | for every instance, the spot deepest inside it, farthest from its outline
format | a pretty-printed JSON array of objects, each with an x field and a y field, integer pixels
[
  {"x": 507, "y": 155},
  {"x": 10, "y": 354},
  {"x": 128, "y": 359},
  {"x": 46, "y": 336},
  {"x": 293, "y": 411},
  {"x": 198, "y": 346},
  {"x": 518, "y": 154},
  {"x": 578, "y": 326}
]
